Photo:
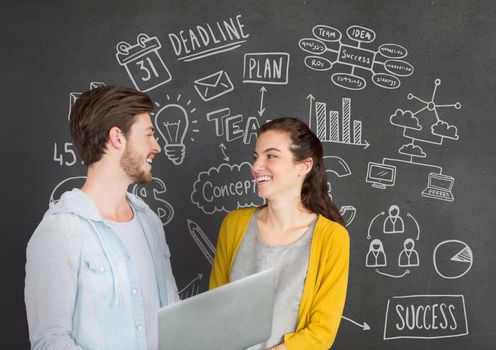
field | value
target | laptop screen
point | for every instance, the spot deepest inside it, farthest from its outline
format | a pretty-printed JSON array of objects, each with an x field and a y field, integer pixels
[{"x": 441, "y": 182}]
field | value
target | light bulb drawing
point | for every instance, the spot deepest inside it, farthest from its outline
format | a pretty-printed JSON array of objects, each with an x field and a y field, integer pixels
[{"x": 172, "y": 123}]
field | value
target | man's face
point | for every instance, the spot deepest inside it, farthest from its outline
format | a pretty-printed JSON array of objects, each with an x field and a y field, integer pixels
[{"x": 141, "y": 147}]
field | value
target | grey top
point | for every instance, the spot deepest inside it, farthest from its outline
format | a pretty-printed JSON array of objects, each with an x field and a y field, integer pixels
[
  {"x": 134, "y": 240},
  {"x": 290, "y": 263}
]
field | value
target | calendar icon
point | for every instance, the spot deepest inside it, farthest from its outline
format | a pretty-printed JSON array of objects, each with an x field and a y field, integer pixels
[{"x": 144, "y": 65}]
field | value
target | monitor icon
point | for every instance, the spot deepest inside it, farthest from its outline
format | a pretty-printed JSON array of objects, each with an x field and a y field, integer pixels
[
  {"x": 381, "y": 175},
  {"x": 439, "y": 187}
]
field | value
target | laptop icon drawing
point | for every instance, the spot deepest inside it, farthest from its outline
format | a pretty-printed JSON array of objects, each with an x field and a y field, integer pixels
[{"x": 439, "y": 187}]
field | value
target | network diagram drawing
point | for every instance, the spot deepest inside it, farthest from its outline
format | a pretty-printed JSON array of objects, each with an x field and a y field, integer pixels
[{"x": 420, "y": 127}]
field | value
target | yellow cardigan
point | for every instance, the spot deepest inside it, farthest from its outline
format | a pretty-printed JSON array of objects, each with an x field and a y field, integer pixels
[{"x": 324, "y": 292}]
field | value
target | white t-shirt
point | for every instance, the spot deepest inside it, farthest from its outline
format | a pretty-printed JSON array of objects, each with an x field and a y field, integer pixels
[{"x": 133, "y": 237}]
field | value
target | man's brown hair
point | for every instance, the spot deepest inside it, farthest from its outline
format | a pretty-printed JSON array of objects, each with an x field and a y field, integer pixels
[{"x": 97, "y": 111}]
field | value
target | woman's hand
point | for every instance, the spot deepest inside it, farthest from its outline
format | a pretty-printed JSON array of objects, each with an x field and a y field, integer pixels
[{"x": 279, "y": 347}]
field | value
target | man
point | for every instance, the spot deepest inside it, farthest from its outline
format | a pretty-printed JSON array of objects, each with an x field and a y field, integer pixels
[{"x": 98, "y": 266}]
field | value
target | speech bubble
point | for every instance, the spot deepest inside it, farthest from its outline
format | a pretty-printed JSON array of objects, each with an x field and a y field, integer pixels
[
  {"x": 359, "y": 33},
  {"x": 392, "y": 51},
  {"x": 313, "y": 46},
  {"x": 318, "y": 63},
  {"x": 225, "y": 188},
  {"x": 326, "y": 33},
  {"x": 399, "y": 68},
  {"x": 348, "y": 81},
  {"x": 386, "y": 81}
]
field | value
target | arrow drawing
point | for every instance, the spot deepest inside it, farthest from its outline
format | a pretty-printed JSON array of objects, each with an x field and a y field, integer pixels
[
  {"x": 364, "y": 143},
  {"x": 416, "y": 224},
  {"x": 311, "y": 98},
  {"x": 261, "y": 110},
  {"x": 192, "y": 288},
  {"x": 370, "y": 225},
  {"x": 337, "y": 126},
  {"x": 364, "y": 326},
  {"x": 223, "y": 149},
  {"x": 393, "y": 276}
]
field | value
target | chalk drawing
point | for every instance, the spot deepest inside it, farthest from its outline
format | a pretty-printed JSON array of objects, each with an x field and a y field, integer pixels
[
  {"x": 73, "y": 96},
  {"x": 452, "y": 259},
  {"x": 394, "y": 228},
  {"x": 213, "y": 85},
  {"x": 337, "y": 166},
  {"x": 66, "y": 185},
  {"x": 425, "y": 317},
  {"x": 153, "y": 194},
  {"x": 364, "y": 326},
  {"x": 66, "y": 157},
  {"x": 234, "y": 127},
  {"x": 201, "y": 240},
  {"x": 192, "y": 288},
  {"x": 143, "y": 64},
  {"x": 172, "y": 122},
  {"x": 425, "y": 126},
  {"x": 225, "y": 188},
  {"x": 261, "y": 110},
  {"x": 383, "y": 65},
  {"x": 266, "y": 68},
  {"x": 332, "y": 127},
  {"x": 376, "y": 256},
  {"x": 208, "y": 39},
  {"x": 223, "y": 150},
  {"x": 409, "y": 256},
  {"x": 381, "y": 175}
]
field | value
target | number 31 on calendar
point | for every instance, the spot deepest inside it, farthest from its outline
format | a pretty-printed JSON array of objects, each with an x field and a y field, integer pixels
[{"x": 143, "y": 63}]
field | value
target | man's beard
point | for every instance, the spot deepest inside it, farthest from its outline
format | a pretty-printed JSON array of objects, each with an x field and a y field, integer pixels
[{"x": 132, "y": 164}]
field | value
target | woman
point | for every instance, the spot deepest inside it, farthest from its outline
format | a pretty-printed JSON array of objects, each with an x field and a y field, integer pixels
[{"x": 299, "y": 233}]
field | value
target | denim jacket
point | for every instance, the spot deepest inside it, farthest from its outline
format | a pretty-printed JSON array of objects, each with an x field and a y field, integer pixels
[{"x": 81, "y": 285}]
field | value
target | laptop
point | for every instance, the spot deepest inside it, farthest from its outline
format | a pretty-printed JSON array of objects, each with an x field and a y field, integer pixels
[
  {"x": 439, "y": 187},
  {"x": 234, "y": 316}
]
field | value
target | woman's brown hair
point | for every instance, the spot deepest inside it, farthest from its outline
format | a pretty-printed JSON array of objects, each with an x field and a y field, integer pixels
[{"x": 305, "y": 144}]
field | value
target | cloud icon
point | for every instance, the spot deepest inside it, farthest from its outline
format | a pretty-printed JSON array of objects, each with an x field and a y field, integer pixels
[
  {"x": 443, "y": 129},
  {"x": 225, "y": 188},
  {"x": 405, "y": 119},
  {"x": 412, "y": 150}
]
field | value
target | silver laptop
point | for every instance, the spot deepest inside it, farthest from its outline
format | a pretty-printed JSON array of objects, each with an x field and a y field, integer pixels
[{"x": 234, "y": 316}]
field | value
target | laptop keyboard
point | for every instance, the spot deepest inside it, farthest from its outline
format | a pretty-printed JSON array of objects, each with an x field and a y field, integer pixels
[{"x": 439, "y": 193}]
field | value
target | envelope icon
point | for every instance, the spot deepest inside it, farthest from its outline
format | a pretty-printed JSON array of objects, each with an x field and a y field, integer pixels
[{"x": 213, "y": 86}]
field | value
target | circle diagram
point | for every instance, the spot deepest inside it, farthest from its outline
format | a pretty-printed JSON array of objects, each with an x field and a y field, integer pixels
[{"x": 452, "y": 259}]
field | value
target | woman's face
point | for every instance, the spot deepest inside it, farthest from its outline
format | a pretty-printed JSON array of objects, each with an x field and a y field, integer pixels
[{"x": 274, "y": 170}]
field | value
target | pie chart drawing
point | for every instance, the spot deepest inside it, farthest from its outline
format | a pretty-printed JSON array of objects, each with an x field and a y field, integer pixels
[{"x": 452, "y": 259}]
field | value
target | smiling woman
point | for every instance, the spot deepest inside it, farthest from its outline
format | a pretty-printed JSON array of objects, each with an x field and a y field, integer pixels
[{"x": 299, "y": 233}]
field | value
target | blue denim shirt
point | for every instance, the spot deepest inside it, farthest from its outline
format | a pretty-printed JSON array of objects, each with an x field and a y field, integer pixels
[{"x": 80, "y": 279}]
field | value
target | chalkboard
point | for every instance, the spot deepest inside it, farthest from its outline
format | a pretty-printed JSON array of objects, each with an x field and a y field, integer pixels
[{"x": 401, "y": 94}]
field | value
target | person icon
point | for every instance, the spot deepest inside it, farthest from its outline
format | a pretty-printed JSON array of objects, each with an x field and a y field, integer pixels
[
  {"x": 394, "y": 222},
  {"x": 376, "y": 256},
  {"x": 408, "y": 256}
]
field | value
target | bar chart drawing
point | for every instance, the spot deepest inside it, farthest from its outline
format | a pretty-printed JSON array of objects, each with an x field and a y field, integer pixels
[{"x": 333, "y": 127}]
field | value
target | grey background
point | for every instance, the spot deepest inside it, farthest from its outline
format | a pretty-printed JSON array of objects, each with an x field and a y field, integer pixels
[{"x": 50, "y": 49}]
